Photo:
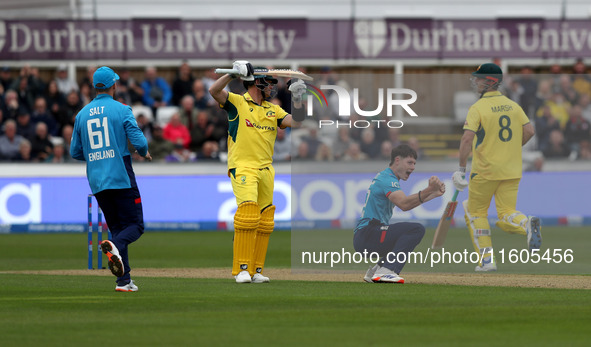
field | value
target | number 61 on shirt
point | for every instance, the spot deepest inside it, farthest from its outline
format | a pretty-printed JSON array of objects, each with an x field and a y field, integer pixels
[{"x": 98, "y": 134}]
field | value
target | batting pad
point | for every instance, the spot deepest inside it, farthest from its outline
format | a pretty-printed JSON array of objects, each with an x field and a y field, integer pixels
[
  {"x": 513, "y": 223},
  {"x": 246, "y": 223},
  {"x": 262, "y": 239},
  {"x": 479, "y": 230}
]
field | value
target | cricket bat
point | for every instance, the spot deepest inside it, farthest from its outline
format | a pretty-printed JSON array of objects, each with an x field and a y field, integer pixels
[
  {"x": 445, "y": 222},
  {"x": 271, "y": 72}
]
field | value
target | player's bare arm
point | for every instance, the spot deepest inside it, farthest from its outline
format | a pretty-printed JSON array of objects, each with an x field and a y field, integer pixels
[
  {"x": 243, "y": 70},
  {"x": 466, "y": 146},
  {"x": 528, "y": 133},
  {"x": 459, "y": 177},
  {"x": 435, "y": 189},
  {"x": 148, "y": 157},
  {"x": 217, "y": 90},
  {"x": 287, "y": 122}
]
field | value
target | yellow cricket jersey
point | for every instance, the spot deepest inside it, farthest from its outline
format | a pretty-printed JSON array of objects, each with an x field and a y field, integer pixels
[
  {"x": 252, "y": 131},
  {"x": 498, "y": 124}
]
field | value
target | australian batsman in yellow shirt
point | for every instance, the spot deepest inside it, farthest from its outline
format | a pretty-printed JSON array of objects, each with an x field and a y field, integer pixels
[
  {"x": 253, "y": 123},
  {"x": 495, "y": 130}
]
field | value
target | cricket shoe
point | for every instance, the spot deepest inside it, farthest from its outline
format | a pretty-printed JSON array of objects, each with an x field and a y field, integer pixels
[
  {"x": 534, "y": 233},
  {"x": 115, "y": 263},
  {"x": 259, "y": 278},
  {"x": 370, "y": 272},
  {"x": 129, "y": 287},
  {"x": 243, "y": 277},
  {"x": 385, "y": 275},
  {"x": 488, "y": 264}
]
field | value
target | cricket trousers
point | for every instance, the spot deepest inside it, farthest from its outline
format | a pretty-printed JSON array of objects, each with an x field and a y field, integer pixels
[
  {"x": 389, "y": 241},
  {"x": 123, "y": 212},
  {"x": 480, "y": 194}
]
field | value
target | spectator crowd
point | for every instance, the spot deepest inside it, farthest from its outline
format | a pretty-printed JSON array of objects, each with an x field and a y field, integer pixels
[
  {"x": 559, "y": 105},
  {"x": 183, "y": 123}
]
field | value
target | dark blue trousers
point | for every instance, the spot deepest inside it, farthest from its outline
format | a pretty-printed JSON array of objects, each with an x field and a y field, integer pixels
[
  {"x": 125, "y": 218},
  {"x": 383, "y": 239}
]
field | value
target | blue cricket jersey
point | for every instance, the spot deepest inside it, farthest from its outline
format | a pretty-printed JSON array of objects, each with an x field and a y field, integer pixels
[
  {"x": 100, "y": 138},
  {"x": 377, "y": 205}
]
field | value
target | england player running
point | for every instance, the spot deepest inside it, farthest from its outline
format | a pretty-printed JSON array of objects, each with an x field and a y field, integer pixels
[
  {"x": 100, "y": 135},
  {"x": 374, "y": 233},
  {"x": 494, "y": 131},
  {"x": 253, "y": 123}
]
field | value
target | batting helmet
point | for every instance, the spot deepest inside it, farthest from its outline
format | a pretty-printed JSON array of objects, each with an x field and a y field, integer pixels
[
  {"x": 262, "y": 82},
  {"x": 490, "y": 72}
]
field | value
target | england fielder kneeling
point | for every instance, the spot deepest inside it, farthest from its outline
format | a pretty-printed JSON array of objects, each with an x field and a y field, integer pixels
[
  {"x": 253, "y": 123},
  {"x": 374, "y": 234}
]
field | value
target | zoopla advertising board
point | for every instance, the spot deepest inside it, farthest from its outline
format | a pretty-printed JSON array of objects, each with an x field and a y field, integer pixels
[{"x": 205, "y": 202}]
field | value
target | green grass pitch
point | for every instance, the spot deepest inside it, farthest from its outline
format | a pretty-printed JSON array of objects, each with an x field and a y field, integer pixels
[{"x": 56, "y": 310}]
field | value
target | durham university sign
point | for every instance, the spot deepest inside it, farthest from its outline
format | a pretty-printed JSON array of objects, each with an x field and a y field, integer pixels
[{"x": 293, "y": 39}]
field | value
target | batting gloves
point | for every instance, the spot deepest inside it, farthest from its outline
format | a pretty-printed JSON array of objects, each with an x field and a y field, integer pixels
[
  {"x": 459, "y": 180},
  {"x": 297, "y": 89},
  {"x": 244, "y": 69}
]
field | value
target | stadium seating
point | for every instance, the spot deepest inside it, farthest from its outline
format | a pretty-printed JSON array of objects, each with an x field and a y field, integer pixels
[{"x": 163, "y": 114}]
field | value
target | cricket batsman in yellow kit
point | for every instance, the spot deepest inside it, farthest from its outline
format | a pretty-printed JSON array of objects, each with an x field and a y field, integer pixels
[
  {"x": 253, "y": 123},
  {"x": 495, "y": 130}
]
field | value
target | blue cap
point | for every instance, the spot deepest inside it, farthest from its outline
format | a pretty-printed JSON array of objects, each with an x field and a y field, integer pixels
[{"x": 104, "y": 76}]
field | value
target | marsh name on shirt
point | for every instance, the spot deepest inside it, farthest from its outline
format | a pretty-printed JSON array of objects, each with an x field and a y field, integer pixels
[
  {"x": 100, "y": 155},
  {"x": 502, "y": 108}
]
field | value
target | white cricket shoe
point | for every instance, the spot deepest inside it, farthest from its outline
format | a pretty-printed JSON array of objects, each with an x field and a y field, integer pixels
[
  {"x": 129, "y": 287},
  {"x": 385, "y": 275},
  {"x": 488, "y": 264},
  {"x": 243, "y": 277},
  {"x": 259, "y": 278},
  {"x": 370, "y": 272},
  {"x": 533, "y": 229},
  {"x": 486, "y": 267},
  {"x": 115, "y": 262}
]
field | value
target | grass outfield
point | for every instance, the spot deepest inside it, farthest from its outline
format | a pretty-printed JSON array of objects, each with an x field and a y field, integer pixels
[
  {"x": 53, "y": 310},
  {"x": 557, "y": 242}
]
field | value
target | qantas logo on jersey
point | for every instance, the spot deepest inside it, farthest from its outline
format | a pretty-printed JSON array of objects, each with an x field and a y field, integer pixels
[{"x": 260, "y": 127}]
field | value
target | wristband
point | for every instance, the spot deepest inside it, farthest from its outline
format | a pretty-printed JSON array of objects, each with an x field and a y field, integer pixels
[
  {"x": 298, "y": 114},
  {"x": 420, "y": 200}
]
